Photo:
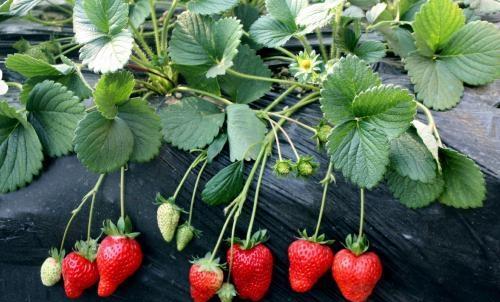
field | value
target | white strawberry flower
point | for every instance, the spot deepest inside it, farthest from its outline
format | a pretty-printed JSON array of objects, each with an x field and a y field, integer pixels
[{"x": 3, "y": 86}]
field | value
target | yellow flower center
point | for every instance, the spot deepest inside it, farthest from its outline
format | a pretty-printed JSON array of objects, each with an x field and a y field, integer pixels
[{"x": 305, "y": 64}]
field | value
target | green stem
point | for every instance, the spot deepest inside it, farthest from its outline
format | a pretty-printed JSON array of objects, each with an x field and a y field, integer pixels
[
  {"x": 15, "y": 85},
  {"x": 334, "y": 50},
  {"x": 277, "y": 141},
  {"x": 311, "y": 98},
  {"x": 432, "y": 122},
  {"x": 361, "y": 213},
  {"x": 397, "y": 4},
  {"x": 233, "y": 234},
  {"x": 193, "y": 90},
  {"x": 91, "y": 210},
  {"x": 322, "y": 47},
  {"x": 142, "y": 55},
  {"x": 282, "y": 58},
  {"x": 285, "y": 52},
  {"x": 305, "y": 43},
  {"x": 166, "y": 21},
  {"x": 122, "y": 192},
  {"x": 287, "y": 138},
  {"x": 68, "y": 50},
  {"x": 221, "y": 235},
  {"x": 326, "y": 182},
  {"x": 280, "y": 98},
  {"x": 78, "y": 209},
  {"x": 294, "y": 121},
  {"x": 256, "y": 197},
  {"x": 61, "y": 8},
  {"x": 196, "y": 161},
  {"x": 49, "y": 23},
  {"x": 193, "y": 197},
  {"x": 272, "y": 80},
  {"x": 138, "y": 36},
  {"x": 155, "y": 26}
]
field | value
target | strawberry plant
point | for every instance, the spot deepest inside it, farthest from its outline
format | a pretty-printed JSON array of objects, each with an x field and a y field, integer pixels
[{"x": 205, "y": 58}]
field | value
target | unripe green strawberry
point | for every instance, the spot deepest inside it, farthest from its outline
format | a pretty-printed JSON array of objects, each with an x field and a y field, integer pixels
[
  {"x": 50, "y": 272},
  {"x": 305, "y": 166},
  {"x": 227, "y": 292},
  {"x": 283, "y": 167},
  {"x": 168, "y": 215},
  {"x": 185, "y": 234},
  {"x": 323, "y": 131}
]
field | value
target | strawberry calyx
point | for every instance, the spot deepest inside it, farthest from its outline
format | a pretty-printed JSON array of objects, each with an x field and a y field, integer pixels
[
  {"x": 197, "y": 233},
  {"x": 56, "y": 254},
  {"x": 323, "y": 130},
  {"x": 283, "y": 167},
  {"x": 123, "y": 228},
  {"x": 305, "y": 166},
  {"x": 321, "y": 239},
  {"x": 357, "y": 245},
  {"x": 227, "y": 292},
  {"x": 87, "y": 249},
  {"x": 207, "y": 263},
  {"x": 159, "y": 200},
  {"x": 257, "y": 238}
]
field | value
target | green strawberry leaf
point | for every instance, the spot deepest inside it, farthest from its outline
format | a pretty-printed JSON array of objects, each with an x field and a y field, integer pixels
[
  {"x": 216, "y": 147},
  {"x": 464, "y": 184},
  {"x": 225, "y": 185},
  {"x": 316, "y": 16},
  {"x": 245, "y": 132},
  {"x": 112, "y": 90},
  {"x": 101, "y": 27},
  {"x": 285, "y": 11},
  {"x": 435, "y": 24},
  {"x": 247, "y": 14},
  {"x": 388, "y": 108},
  {"x": 350, "y": 76},
  {"x": 450, "y": 53},
  {"x": 413, "y": 193},
  {"x": 196, "y": 77},
  {"x": 427, "y": 137},
  {"x": 399, "y": 40},
  {"x": 243, "y": 90},
  {"x": 410, "y": 158},
  {"x": 22, "y": 7},
  {"x": 270, "y": 32},
  {"x": 101, "y": 144},
  {"x": 54, "y": 113},
  {"x": 360, "y": 151},
  {"x": 198, "y": 40},
  {"x": 108, "y": 16},
  {"x": 191, "y": 123},
  {"x": 473, "y": 53},
  {"x": 20, "y": 150},
  {"x": 145, "y": 126},
  {"x": 32, "y": 67},
  {"x": 363, "y": 3},
  {"x": 209, "y": 7},
  {"x": 370, "y": 51},
  {"x": 74, "y": 81},
  {"x": 434, "y": 83},
  {"x": 139, "y": 11}
]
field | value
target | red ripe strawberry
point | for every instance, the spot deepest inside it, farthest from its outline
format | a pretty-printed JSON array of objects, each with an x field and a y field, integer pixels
[
  {"x": 118, "y": 257},
  {"x": 310, "y": 258},
  {"x": 205, "y": 278},
  {"x": 252, "y": 267},
  {"x": 79, "y": 270},
  {"x": 355, "y": 271}
]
